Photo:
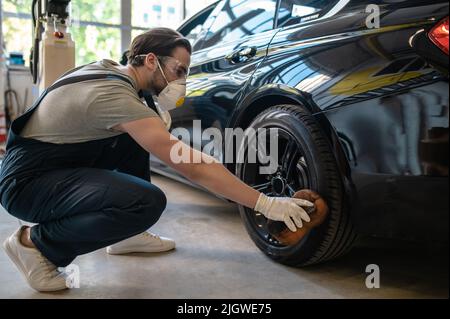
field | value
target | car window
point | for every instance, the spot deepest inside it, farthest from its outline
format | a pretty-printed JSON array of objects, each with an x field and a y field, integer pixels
[
  {"x": 241, "y": 18},
  {"x": 296, "y": 11},
  {"x": 194, "y": 29},
  {"x": 192, "y": 36}
]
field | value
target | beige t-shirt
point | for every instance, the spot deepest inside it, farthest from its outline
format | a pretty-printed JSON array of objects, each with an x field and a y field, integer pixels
[{"x": 87, "y": 111}]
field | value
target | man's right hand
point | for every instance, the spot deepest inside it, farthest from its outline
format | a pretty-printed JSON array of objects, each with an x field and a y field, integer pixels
[{"x": 287, "y": 210}]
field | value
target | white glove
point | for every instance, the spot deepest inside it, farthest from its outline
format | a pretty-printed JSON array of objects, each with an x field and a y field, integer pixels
[{"x": 282, "y": 209}]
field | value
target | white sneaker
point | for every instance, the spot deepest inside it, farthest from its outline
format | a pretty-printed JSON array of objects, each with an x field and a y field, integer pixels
[
  {"x": 38, "y": 271},
  {"x": 142, "y": 243}
]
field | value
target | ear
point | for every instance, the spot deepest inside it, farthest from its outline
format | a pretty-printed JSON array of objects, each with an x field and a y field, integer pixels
[{"x": 151, "y": 62}]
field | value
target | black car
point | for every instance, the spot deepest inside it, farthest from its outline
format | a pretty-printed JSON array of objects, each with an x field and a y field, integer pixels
[{"x": 359, "y": 94}]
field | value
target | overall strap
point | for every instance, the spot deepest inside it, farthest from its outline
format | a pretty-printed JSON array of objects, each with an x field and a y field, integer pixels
[
  {"x": 87, "y": 77},
  {"x": 78, "y": 79}
]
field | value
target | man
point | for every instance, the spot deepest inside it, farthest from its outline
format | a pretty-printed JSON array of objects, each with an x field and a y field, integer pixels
[{"x": 77, "y": 163}]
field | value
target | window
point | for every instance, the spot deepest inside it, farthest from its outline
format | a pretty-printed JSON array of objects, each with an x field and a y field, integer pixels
[
  {"x": 96, "y": 30},
  {"x": 94, "y": 43},
  {"x": 17, "y": 36},
  {"x": 194, "y": 6},
  {"x": 193, "y": 35},
  {"x": 241, "y": 18},
  {"x": 105, "y": 11},
  {"x": 194, "y": 29},
  {"x": 94, "y": 40},
  {"x": 18, "y": 6},
  {"x": 17, "y": 27},
  {"x": 135, "y": 33},
  {"x": 101, "y": 29},
  {"x": 157, "y": 13},
  {"x": 296, "y": 11}
]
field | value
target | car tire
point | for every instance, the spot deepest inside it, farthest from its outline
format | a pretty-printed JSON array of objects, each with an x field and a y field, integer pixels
[{"x": 316, "y": 169}]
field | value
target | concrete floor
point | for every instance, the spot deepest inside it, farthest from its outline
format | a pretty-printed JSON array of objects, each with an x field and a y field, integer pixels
[{"x": 216, "y": 259}]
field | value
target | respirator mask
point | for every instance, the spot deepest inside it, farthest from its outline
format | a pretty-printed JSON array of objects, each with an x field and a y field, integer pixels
[{"x": 174, "y": 94}]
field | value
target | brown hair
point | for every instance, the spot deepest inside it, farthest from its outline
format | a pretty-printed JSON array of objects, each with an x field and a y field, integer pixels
[{"x": 159, "y": 41}]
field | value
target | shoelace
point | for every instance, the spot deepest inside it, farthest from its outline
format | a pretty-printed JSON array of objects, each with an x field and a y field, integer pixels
[
  {"x": 52, "y": 269},
  {"x": 146, "y": 234}
]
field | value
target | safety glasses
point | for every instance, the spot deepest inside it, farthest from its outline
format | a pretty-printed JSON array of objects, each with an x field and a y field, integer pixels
[{"x": 177, "y": 69}]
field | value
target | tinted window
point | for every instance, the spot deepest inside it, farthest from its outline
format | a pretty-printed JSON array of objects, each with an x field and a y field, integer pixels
[
  {"x": 194, "y": 29},
  {"x": 297, "y": 11},
  {"x": 241, "y": 18}
]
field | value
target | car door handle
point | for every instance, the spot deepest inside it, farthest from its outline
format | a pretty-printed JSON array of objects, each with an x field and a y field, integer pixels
[{"x": 242, "y": 55}]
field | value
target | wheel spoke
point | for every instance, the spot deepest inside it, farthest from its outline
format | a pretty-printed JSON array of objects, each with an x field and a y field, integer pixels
[
  {"x": 302, "y": 173},
  {"x": 290, "y": 190},
  {"x": 263, "y": 187},
  {"x": 302, "y": 163},
  {"x": 287, "y": 157}
]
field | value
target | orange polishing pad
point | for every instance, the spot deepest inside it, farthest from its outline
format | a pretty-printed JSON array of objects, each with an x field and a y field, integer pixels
[{"x": 318, "y": 216}]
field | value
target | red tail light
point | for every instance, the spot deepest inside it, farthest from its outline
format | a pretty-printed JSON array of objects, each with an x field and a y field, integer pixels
[{"x": 439, "y": 35}]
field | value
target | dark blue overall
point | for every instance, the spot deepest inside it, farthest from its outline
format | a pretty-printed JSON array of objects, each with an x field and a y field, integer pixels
[{"x": 83, "y": 196}]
